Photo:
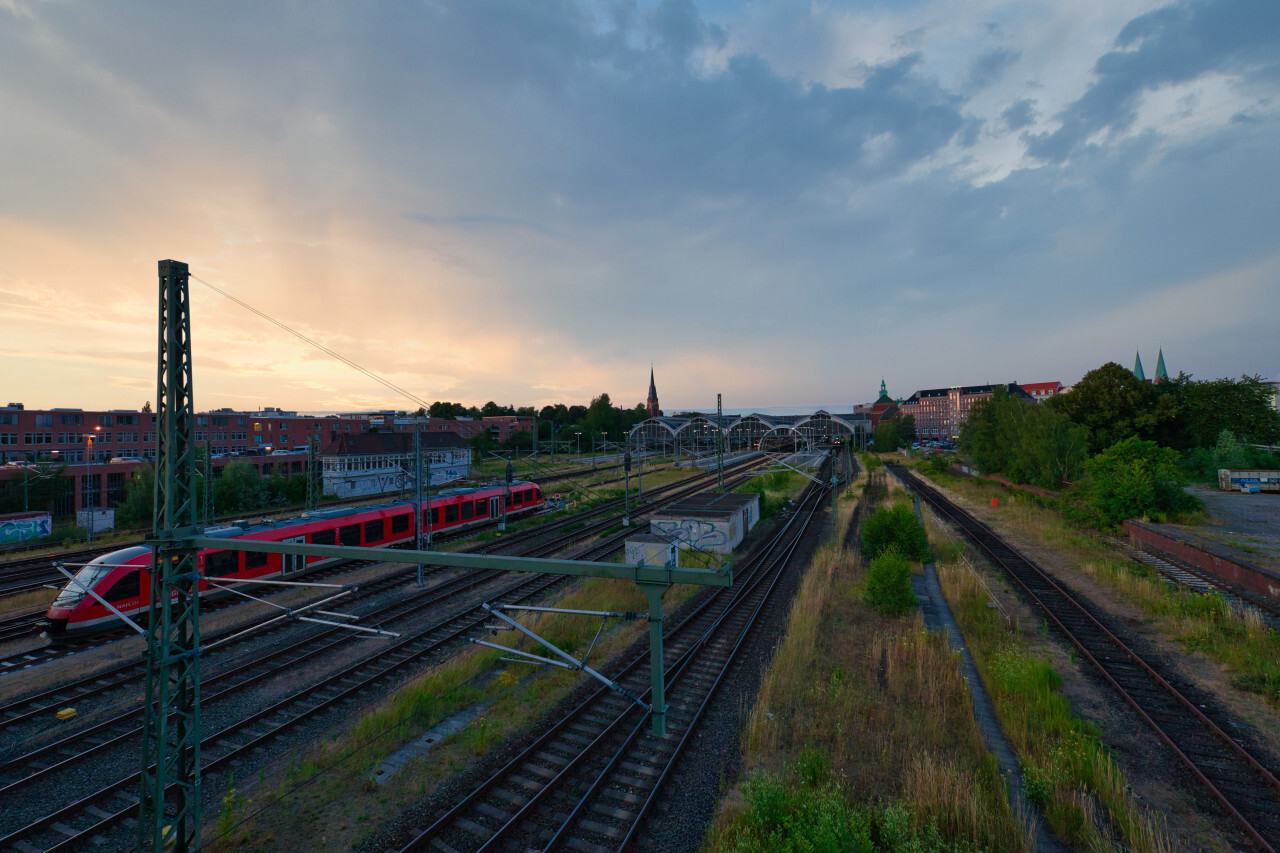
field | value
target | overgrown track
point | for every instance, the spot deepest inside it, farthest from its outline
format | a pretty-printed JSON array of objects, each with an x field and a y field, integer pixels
[
  {"x": 1184, "y": 574},
  {"x": 588, "y": 782},
  {"x": 1248, "y": 791}
]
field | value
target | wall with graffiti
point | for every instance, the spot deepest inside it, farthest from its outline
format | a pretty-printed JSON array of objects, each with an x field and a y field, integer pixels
[{"x": 24, "y": 527}]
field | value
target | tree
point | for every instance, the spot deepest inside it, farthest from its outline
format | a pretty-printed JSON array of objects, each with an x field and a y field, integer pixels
[
  {"x": 906, "y": 425},
  {"x": 886, "y": 437},
  {"x": 1113, "y": 405},
  {"x": 1024, "y": 440},
  {"x": 240, "y": 489},
  {"x": 1205, "y": 409},
  {"x": 1135, "y": 478},
  {"x": 135, "y": 510}
]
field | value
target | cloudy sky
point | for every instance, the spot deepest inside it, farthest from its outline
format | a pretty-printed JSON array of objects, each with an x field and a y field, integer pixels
[{"x": 530, "y": 202}]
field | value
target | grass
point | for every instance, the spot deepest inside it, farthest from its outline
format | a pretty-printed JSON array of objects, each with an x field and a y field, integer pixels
[
  {"x": 1068, "y": 772},
  {"x": 862, "y": 737},
  {"x": 1236, "y": 638}
]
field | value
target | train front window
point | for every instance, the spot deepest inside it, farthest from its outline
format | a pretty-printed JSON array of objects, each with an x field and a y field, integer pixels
[{"x": 88, "y": 577}]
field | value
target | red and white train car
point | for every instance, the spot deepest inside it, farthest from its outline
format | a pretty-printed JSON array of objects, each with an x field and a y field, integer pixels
[{"x": 121, "y": 577}]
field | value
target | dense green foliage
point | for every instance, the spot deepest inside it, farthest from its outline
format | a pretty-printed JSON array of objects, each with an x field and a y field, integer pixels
[
  {"x": 886, "y": 437},
  {"x": 135, "y": 511},
  {"x": 1136, "y": 478},
  {"x": 1113, "y": 404},
  {"x": 807, "y": 809},
  {"x": 1183, "y": 413},
  {"x": 888, "y": 589},
  {"x": 1028, "y": 443},
  {"x": 895, "y": 528},
  {"x": 1133, "y": 430},
  {"x": 1229, "y": 452}
]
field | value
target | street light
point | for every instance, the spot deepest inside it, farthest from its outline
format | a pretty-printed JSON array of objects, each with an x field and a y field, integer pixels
[{"x": 91, "y": 498}]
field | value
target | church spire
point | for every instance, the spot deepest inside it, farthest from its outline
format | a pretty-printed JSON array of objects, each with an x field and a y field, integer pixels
[
  {"x": 652, "y": 403},
  {"x": 1137, "y": 367},
  {"x": 1162, "y": 375}
]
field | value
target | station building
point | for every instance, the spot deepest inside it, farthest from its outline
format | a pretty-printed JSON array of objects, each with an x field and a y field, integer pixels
[{"x": 376, "y": 463}]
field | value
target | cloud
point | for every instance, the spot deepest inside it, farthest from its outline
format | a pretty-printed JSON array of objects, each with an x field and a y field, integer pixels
[
  {"x": 1170, "y": 45},
  {"x": 989, "y": 67},
  {"x": 529, "y": 202},
  {"x": 1019, "y": 114}
]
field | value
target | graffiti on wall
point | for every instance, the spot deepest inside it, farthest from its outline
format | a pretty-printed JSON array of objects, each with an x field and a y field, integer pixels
[
  {"x": 700, "y": 534},
  {"x": 24, "y": 529}
]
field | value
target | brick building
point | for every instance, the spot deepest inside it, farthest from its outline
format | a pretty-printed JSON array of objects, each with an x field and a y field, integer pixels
[{"x": 940, "y": 413}]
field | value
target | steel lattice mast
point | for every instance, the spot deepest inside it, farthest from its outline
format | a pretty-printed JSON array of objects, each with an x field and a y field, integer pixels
[{"x": 171, "y": 734}]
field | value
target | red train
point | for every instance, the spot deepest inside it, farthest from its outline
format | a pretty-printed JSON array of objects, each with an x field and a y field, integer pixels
[{"x": 118, "y": 576}]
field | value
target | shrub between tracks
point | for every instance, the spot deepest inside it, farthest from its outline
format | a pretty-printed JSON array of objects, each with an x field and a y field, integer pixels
[{"x": 862, "y": 737}]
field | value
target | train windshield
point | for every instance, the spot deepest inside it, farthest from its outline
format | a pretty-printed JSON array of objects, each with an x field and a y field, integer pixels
[{"x": 94, "y": 571}]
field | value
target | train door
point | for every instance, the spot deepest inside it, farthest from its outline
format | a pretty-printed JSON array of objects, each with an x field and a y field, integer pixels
[
  {"x": 495, "y": 507},
  {"x": 291, "y": 563}
]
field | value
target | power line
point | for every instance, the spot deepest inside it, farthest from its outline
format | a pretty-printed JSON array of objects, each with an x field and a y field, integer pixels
[{"x": 326, "y": 350}]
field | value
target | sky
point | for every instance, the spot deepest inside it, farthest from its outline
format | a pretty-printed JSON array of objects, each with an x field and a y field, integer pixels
[{"x": 532, "y": 202}]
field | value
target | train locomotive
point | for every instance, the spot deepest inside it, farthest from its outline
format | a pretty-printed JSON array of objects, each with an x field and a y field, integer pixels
[{"x": 121, "y": 577}]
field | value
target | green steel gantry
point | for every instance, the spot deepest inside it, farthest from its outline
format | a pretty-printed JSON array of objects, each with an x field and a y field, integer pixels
[
  {"x": 171, "y": 745},
  {"x": 171, "y": 715}
]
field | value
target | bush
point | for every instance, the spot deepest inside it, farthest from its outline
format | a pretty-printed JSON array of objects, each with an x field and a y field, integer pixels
[
  {"x": 1134, "y": 479},
  {"x": 889, "y": 584},
  {"x": 895, "y": 527}
]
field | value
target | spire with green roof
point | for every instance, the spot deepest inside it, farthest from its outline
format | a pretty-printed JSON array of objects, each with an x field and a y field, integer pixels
[
  {"x": 1162, "y": 375},
  {"x": 1137, "y": 367}
]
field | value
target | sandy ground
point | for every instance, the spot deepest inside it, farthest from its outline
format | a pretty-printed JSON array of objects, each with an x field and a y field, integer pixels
[{"x": 1247, "y": 523}]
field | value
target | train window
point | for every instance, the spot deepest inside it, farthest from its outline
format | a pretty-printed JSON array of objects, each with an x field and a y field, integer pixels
[
  {"x": 435, "y": 515},
  {"x": 481, "y": 509},
  {"x": 450, "y": 513},
  {"x": 373, "y": 530},
  {"x": 125, "y": 587},
  {"x": 323, "y": 537},
  {"x": 222, "y": 563},
  {"x": 255, "y": 559},
  {"x": 400, "y": 523},
  {"x": 349, "y": 534},
  {"x": 517, "y": 498},
  {"x": 468, "y": 510}
]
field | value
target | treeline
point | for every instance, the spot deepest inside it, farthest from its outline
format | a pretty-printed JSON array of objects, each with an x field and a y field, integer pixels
[
  {"x": 1125, "y": 445},
  {"x": 599, "y": 421}
]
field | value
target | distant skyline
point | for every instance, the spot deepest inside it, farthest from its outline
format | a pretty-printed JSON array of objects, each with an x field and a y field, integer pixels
[{"x": 531, "y": 202}]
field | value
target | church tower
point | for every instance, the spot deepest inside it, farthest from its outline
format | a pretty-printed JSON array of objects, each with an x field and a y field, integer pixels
[{"x": 652, "y": 403}]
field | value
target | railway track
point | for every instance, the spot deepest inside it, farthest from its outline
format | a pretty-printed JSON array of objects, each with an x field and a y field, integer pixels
[
  {"x": 590, "y": 522},
  {"x": 577, "y": 526},
  {"x": 1181, "y": 573},
  {"x": 86, "y": 819},
  {"x": 588, "y": 782},
  {"x": 1245, "y": 788}
]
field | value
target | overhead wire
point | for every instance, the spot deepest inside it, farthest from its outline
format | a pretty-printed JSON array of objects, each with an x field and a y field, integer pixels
[{"x": 305, "y": 339}]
